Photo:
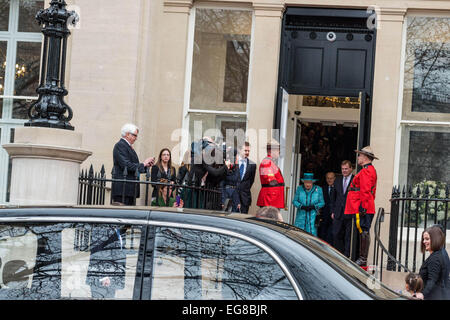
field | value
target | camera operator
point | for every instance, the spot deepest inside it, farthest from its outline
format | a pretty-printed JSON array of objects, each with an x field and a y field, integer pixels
[{"x": 208, "y": 159}]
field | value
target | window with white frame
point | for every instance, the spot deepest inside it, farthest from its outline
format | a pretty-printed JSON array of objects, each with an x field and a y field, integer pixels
[
  {"x": 219, "y": 72},
  {"x": 425, "y": 119},
  {"x": 20, "y": 52}
]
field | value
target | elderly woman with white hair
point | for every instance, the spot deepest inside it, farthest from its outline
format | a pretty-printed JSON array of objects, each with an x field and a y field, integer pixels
[{"x": 124, "y": 156}]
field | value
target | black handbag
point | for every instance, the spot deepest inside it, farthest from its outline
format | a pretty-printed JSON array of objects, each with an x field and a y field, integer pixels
[{"x": 319, "y": 219}]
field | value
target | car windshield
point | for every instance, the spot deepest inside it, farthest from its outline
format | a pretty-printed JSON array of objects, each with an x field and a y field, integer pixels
[
  {"x": 342, "y": 264},
  {"x": 334, "y": 258}
]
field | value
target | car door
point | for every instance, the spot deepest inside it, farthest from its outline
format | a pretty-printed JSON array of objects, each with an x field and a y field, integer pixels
[
  {"x": 61, "y": 257},
  {"x": 194, "y": 262}
]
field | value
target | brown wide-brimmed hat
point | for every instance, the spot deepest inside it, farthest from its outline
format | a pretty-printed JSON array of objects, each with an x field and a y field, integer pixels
[{"x": 367, "y": 151}]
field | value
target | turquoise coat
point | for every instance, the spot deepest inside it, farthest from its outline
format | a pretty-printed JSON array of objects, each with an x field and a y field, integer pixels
[{"x": 314, "y": 197}]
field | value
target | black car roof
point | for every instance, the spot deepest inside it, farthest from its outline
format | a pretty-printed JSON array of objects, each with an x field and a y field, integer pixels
[{"x": 144, "y": 213}]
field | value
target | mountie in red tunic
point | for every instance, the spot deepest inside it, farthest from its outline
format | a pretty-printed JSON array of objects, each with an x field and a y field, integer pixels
[
  {"x": 272, "y": 185},
  {"x": 362, "y": 190}
]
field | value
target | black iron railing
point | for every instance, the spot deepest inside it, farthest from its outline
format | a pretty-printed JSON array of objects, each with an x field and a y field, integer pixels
[
  {"x": 93, "y": 187},
  {"x": 412, "y": 211},
  {"x": 380, "y": 251}
]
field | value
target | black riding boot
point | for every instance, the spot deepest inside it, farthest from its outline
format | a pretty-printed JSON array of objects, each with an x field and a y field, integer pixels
[{"x": 363, "y": 248}]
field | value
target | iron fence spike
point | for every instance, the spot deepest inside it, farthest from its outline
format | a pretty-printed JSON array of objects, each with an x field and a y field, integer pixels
[{"x": 436, "y": 192}]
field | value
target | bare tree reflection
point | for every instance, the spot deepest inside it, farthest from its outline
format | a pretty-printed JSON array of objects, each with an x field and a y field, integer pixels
[
  {"x": 221, "y": 43},
  {"x": 427, "y": 60},
  {"x": 242, "y": 270},
  {"x": 106, "y": 272},
  {"x": 107, "y": 248}
]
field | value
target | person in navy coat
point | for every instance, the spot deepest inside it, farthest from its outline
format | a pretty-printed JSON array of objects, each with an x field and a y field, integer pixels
[
  {"x": 124, "y": 156},
  {"x": 342, "y": 224},
  {"x": 329, "y": 196}
]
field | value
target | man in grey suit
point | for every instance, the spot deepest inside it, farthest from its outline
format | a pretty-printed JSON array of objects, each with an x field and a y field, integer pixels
[{"x": 342, "y": 225}]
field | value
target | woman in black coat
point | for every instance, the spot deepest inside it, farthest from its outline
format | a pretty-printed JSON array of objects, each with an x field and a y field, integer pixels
[
  {"x": 435, "y": 270},
  {"x": 163, "y": 169}
]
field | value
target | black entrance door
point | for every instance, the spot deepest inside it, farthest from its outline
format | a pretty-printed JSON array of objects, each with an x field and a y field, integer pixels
[{"x": 328, "y": 52}]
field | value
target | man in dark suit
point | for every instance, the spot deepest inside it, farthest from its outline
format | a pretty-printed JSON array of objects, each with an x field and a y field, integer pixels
[
  {"x": 329, "y": 196},
  {"x": 342, "y": 224},
  {"x": 124, "y": 156},
  {"x": 247, "y": 171}
]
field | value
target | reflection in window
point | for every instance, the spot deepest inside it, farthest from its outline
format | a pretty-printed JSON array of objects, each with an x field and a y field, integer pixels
[
  {"x": 429, "y": 156},
  {"x": 216, "y": 126},
  {"x": 27, "y": 15},
  {"x": 42, "y": 262},
  {"x": 198, "y": 265},
  {"x": 427, "y": 76},
  {"x": 20, "y": 108},
  {"x": 27, "y": 68},
  {"x": 220, "y": 59},
  {"x": 236, "y": 71},
  {"x": 3, "y": 46},
  {"x": 4, "y": 15}
]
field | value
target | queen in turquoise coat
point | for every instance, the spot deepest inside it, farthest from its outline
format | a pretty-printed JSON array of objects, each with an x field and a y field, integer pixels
[{"x": 308, "y": 200}]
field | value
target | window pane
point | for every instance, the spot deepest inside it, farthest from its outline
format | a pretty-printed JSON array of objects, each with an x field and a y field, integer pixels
[
  {"x": 1, "y": 108},
  {"x": 427, "y": 76},
  {"x": 428, "y": 156},
  {"x": 68, "y": 260},
  {"x": 199, "y": 265},
  {"x": 27, "y": 15},
  {"x": 3, "y": 47},
  {"x": 220, "y": 59},
  {"x": 216, "y": 126},
  {"x": 236, "y": 71},
  {"x": 27, "y": 68},
  {"x": 4, "y": 14},
  {"x": 20, "y": 108}
]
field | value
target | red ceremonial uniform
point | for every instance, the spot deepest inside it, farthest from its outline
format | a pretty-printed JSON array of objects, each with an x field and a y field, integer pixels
[
  {"x": 272, "y": 185},
  {"x": 362, "y": 191}
]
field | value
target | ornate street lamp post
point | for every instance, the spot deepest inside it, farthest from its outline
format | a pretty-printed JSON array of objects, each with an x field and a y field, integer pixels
[{"x": 50, "y": 110}]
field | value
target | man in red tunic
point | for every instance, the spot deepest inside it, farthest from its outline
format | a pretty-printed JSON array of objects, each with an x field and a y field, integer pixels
[
  {"x": 272, "y": 182},
  {"x": 361, "y": 200}
]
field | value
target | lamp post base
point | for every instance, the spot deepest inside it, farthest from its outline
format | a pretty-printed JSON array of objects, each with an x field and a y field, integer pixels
[{"x": 45, "y": 166}]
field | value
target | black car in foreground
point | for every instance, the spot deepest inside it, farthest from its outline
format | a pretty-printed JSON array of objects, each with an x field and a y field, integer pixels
[{"x": 152, "y": 253}]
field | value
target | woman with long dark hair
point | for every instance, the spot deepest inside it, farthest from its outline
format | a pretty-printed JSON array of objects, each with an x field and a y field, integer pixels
[{"x": 163, "y": 169}]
